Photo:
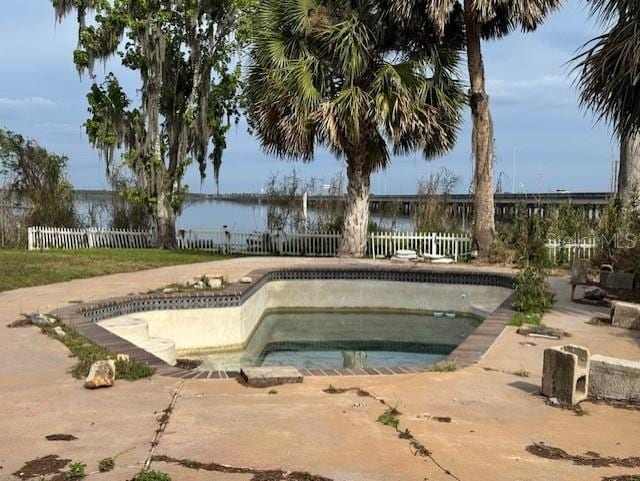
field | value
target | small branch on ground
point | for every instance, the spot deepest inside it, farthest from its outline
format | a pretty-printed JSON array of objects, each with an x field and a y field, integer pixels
[{"x": 418, "y": 449}]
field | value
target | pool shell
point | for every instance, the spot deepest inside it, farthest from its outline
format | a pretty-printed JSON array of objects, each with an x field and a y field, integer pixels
[{"x": 85, "y": 317}]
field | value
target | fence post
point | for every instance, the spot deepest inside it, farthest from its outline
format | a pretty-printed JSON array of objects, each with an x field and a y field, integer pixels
[
  {"x": 90, "y": 237},
  {"x": 30, "y": 238}
]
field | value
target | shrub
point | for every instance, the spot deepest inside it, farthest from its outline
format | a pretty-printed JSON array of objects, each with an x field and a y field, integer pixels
[
  {"x": 132, "y": 370},
  {"x": 389, "y": 418},
  {"x": 532, "y": 294},
  {"x": 152, "y": 476},
  {"x": 106, "y": 464},
  {"x": 76, "y": 470}
]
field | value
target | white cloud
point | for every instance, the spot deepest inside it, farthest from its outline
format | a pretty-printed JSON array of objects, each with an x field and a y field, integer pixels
[
  {"x": 544, "y": 91},
  {"x": 26, "y": 102}
]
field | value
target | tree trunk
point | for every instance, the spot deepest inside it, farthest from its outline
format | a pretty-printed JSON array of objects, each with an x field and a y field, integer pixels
[
  {"x": 482, "y": 140},
  {"x": 356, "y": 216},
  {"x": 629, "y": 172},
  {"x": 165, "y": 223}
]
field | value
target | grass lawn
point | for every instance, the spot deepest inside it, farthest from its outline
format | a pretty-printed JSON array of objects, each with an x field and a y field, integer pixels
[{"x": 23, "y": 268}]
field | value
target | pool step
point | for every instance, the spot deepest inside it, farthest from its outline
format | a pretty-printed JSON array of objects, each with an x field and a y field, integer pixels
[
  {"x": 270, "y": 376},
  {"x": 134, "y": 330}
]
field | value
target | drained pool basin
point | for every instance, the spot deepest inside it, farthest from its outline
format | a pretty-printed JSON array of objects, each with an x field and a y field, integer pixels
[
  {"x": 313, "y": 319},
  {"x": 345, "y": 338}
]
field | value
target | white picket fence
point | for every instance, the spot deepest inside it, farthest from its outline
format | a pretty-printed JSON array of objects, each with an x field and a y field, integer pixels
[
  {"x": 260, "y": 243},
  {"x": 58, "y": 238},
  {"x": 379, "y": 244},
  {"x": 560, "y": 250},
  {"x": 386, "y": 244}
]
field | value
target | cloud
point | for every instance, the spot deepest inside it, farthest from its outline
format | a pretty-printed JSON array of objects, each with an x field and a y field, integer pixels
[
  {"x": 26, "y": 103},
  {"x": 542, "y": 92}
]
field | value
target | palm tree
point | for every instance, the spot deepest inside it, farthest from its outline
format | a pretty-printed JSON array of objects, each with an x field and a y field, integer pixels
[
  {"x": 340, "y": 75},
  {"x": 609, "y": 69},
  {"x": 483, "y": 20}
]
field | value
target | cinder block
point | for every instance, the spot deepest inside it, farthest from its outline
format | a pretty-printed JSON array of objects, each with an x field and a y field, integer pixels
[
  {"x": 613, "y": 378},
  {"x": 565, "y": 373},
  {"x": 625, "y": 314}
]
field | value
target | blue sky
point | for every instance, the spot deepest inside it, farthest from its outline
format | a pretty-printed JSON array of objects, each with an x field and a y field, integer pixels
[{"x": 533, "y": 102}]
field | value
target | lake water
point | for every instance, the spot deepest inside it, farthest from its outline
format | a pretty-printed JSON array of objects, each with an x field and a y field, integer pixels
[{"x": 214, "y": 214}]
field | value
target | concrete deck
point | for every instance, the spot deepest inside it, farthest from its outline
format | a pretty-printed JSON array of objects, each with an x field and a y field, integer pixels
[{"x": 495, "y": 414}]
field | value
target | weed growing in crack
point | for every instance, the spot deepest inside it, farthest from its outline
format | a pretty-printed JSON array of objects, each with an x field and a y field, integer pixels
[
  {"x": 106, "y": 464},
  {"x": 447, "y": 366},
  {"x": 390, "y": 418},
  {"x": 76, "y": 470},
  {"x": 152, "y": 476}
]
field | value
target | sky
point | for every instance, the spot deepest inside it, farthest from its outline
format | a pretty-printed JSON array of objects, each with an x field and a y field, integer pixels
[{"x": 534, "y": 105}]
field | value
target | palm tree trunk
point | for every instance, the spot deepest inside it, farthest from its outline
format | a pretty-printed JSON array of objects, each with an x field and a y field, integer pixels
[
  {"x": 356, "y": 216},
  {"x": 629, "y": 172},
  {"x": 482, "y": 140}
]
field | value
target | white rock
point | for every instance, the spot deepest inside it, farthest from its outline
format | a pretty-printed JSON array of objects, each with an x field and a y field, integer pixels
[
  {"x": 101, "y": 374},
  {"x": 246, "y": 280},
  {"x": 59, "y": 332}
]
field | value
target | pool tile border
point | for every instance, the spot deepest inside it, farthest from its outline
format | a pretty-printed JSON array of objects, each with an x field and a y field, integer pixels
[{"x": 84, "y": 317}]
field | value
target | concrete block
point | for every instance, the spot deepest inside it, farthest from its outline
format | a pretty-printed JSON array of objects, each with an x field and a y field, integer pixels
[
  {"x": 619, "y": 280},
  {"x": 613, "y": 378},
  {"x": 270, "y": 376},
  {"x": 625, "y": 314},
  {"x": 565, "y": 374}
]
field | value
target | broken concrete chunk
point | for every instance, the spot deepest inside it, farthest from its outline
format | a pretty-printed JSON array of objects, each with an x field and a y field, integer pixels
[
  {"x": 541, "y": 331},
  {"x": 270, "y": 376},
  {"x": 625, "y": 315},
  {"x": 246, "y": 280},
  {"x": 42, "y": 320},
  {"x": 613, "y": 378},
  {"x": 101, "y": 374},
  {"x": 594, "y": 294}
]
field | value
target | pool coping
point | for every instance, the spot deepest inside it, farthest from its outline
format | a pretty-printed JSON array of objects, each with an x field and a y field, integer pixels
[{"x": 84, "y": 317}]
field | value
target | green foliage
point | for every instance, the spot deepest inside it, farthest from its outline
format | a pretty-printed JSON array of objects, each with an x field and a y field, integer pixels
[
  {"x": 23, "y": 268},
  {"x": 521, "y": 318},
  {"x": 433, "y": 211},
  {"x": 87, "y": 352},
  {"x": 532, "y": 291},
  {"x": 76, "y": 470},
  {"x": 521, "y": 373},
  {"x": 528, "y": 238},
  {"x": 106, "y": 464},
  {"x": 389, "y": 418},
  {"x": 151, "y": 476},
  {"x": 345, "y": 76},
  {"x": 132, "y": 370},
  {"x": 446, "y": 366},
  {"x": 38, "y": 179},
  {"x": 183, "y": 53}
]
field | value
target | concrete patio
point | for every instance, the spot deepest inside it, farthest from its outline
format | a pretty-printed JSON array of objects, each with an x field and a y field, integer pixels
[{"x": 494, "y": 413}]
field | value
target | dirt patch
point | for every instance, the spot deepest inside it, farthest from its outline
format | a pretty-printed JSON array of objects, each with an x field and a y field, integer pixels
[
  {"x": 258, "y": 474},
  {"x": 624, "y": 477},
  {"x": 24, "y": 322},
  {"x": 599, "y": 321},
  {"x": 51, "y": 464},
  {"x": 632, "y": 405},
  {"x": 60, "y": 437},
  {"x": 188, "y": 364},
  {"x": 592, "y": 459}
]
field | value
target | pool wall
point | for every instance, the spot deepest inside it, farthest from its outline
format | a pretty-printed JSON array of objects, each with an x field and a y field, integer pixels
[{"x": 229, "y": 328}]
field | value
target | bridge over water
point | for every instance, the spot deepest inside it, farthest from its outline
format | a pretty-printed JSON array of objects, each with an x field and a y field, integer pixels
[{"x": 461, "y": 204}]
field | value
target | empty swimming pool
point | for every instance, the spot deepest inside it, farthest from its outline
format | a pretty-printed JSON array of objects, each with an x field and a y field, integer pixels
[{"x": 345, "y": 338}]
